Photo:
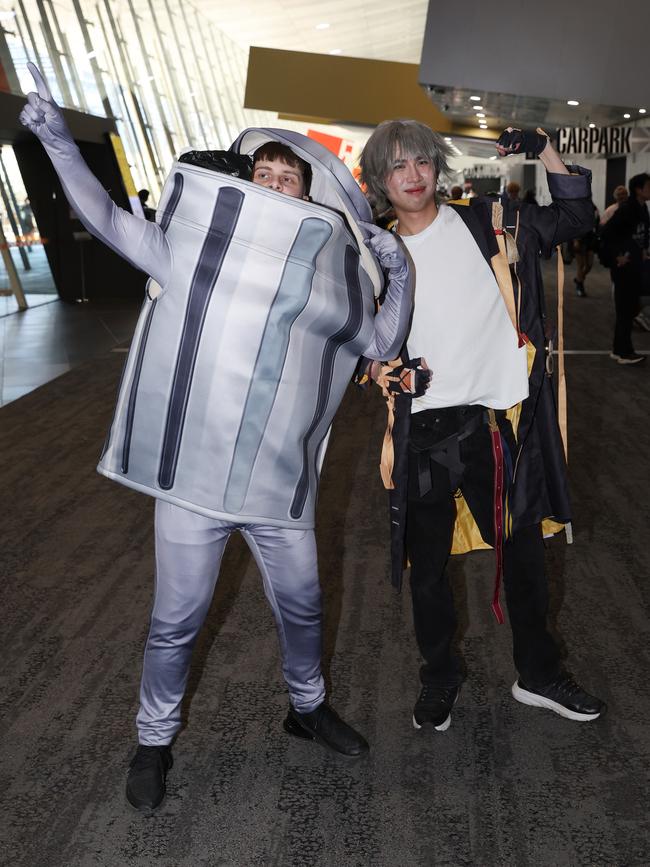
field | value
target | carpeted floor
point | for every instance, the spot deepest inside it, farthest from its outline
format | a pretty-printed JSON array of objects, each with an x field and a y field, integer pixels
[{"x": 505, "y": 785}]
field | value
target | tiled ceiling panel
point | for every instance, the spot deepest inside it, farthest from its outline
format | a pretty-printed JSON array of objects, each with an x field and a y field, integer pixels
[{"x": 379, "y": 30}]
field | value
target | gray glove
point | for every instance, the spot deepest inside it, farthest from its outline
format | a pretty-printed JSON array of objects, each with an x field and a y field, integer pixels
[
  {"x": 386, "y": 248},
  {"x": 44, "y": 118}
]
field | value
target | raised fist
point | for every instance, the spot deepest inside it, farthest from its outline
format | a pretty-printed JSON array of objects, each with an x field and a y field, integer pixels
[
  {"x": 386, "y": 247},
  {"x": 42, "y": 116},
  {"x": 522, "y": 141}
]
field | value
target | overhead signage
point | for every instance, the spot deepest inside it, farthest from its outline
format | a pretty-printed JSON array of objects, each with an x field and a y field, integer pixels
[{"x": 602, "y": 140}]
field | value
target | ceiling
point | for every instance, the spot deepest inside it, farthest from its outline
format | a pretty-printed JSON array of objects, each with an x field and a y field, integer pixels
[
  {"x": 386, "y": 30},
  {"x": 378, "y": 30},
  {"x": 501, "y": 109}
]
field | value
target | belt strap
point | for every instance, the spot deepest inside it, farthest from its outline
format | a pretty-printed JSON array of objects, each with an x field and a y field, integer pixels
[{"x": 446, "y": 453}]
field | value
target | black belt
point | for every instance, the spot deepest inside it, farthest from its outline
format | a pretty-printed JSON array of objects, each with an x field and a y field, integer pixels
[{"x": 446, "y": 453}]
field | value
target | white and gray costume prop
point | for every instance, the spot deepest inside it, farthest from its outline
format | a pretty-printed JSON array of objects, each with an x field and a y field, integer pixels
[{"x": 258, "y": 308}]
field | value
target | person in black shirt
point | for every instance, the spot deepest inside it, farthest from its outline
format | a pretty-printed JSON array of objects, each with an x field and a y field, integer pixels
[{"x": 626, "y": 239}]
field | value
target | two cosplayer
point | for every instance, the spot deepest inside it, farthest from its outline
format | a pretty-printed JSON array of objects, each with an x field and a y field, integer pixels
[{"x": 258, "y": 308}]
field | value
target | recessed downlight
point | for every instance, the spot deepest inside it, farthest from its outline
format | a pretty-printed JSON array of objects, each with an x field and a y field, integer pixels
[
  {"x": 572, "y": 102},
  {"x": 627, "y": 115},
  {"x": 592, "y": 126},
  {"x": 477, "y": 107},
  {"x": 480, "y": 114},
  {"x": 475, "y": 98}
]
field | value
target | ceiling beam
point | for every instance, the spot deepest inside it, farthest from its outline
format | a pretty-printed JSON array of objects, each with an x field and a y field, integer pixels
[{"x": 343, "y": 90}]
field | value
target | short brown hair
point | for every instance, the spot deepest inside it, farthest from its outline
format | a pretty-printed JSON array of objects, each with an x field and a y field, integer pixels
[{"x": 273, "y": 150}]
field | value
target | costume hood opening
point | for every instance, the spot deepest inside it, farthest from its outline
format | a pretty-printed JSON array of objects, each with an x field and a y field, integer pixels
[{"x": 332, "y": 184}]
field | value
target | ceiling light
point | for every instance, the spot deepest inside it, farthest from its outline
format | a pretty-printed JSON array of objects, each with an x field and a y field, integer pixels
[
  {"x": 336, "y": 50},
  {"x": 475, "y": 98},
  {"x": 592, "y": 126},
  {"x": 626, "y": 115},
  {"x": 480, "y": 114},
  {"x": 483, "y": 125},
  {"x": 572, "y": 102},
  {"x": 477, "y": 107},
  {"x": 323, "y": 25},
  {"x": 447, "y": 138},
  {"x": 642, "y": 111}
]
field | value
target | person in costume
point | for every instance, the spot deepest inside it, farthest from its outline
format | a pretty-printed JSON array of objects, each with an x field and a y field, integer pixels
[
  {"x": 257, "y": 309},
  {"x": 477, "y": 458}
]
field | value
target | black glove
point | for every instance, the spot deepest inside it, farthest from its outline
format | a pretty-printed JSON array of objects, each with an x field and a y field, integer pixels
[
  {"x": 412, "y": 378},
  {"x": 522, "y": 141}
]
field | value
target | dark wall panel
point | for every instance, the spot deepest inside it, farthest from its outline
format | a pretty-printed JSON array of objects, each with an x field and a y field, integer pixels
[
  {"x": 105, "y": 274},
  {"x": 615, "y": 177}
]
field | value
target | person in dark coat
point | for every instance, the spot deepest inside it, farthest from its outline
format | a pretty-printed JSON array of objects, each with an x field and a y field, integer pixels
[
  {"x": 626, "y": 250},
  {"x": 477, "y": 458}
]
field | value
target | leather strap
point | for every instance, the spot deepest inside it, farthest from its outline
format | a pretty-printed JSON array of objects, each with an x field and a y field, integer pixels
[
  {"x": 561, "y": 384},
  {"x": 497, "y": 454},
  {"x": 447, "y": 454}
]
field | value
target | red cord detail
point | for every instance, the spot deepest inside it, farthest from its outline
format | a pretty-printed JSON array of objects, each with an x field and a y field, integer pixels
[{"x": 497, "y": 454}]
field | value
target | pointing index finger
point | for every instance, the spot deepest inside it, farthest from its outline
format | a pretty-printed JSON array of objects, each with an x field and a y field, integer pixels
[{"x": 41, "y": 85}]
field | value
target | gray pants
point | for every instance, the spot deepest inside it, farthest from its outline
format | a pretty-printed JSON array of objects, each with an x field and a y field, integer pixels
[{"x": 189, "y": 548}]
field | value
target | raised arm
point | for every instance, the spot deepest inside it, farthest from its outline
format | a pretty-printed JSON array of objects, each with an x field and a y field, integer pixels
[
  {"x": 139, "y": 241},
  {"x": 571, "y": 214},
  {"x": 392, "y": 320}
]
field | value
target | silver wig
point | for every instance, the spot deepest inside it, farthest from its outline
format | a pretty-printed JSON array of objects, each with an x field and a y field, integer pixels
[{"x": 405, "y": 138}]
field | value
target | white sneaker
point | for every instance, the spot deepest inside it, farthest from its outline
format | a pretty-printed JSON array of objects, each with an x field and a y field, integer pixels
[{"x": 642, "y": 322}]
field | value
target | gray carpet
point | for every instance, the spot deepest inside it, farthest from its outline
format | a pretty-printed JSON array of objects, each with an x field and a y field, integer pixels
[{"x": 505, "y": 785}]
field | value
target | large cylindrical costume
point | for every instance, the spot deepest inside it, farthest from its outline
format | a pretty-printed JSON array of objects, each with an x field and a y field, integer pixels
[{"x": 240, "y": 361}]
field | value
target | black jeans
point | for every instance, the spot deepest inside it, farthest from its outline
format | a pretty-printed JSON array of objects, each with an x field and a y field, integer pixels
[
  {"x": 429, "y": 532},
  {"x": 627, "y": 282}
]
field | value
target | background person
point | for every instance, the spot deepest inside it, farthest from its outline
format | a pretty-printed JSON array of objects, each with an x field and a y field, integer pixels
[
  {"x": 584, "y": 249},
  {"x": 625, "y": 240},
  {"x": 149, "y": 213}
]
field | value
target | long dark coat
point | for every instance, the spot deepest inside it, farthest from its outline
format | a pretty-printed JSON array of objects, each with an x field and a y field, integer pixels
[{"x": 539, "y": 489}]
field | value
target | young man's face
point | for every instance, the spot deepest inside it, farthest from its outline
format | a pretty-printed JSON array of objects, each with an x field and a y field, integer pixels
[
  {"x": 278, "y": 175},
  {"x": 411, "y": 184}
]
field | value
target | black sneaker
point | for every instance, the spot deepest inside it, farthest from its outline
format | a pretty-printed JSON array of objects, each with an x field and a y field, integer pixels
[
  {"x": 580, "y": 289},
  {"x": 562, "y": 695},
  {"x": 145, "y": 783},
  {"x": 434, "y": 706},
  {"x": 326, "y": 727}
]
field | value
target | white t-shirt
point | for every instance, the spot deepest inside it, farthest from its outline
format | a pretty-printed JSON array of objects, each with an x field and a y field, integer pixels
[{"x": 460, "y": 323}]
